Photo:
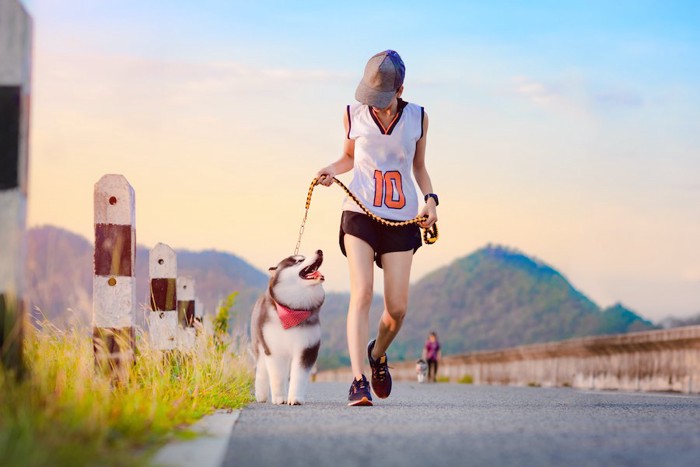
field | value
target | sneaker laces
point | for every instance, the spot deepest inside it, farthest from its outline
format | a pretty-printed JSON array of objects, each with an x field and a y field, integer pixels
[
  {"x": 358, "y": 384},
  {"x": 380, "y": 368}
]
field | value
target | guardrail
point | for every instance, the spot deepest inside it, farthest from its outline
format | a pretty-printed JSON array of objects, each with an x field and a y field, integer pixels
[{"x": 665, "y": 360}]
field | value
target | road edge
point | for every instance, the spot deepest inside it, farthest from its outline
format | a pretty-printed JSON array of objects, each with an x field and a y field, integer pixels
[{"x": 208, "y": 449}]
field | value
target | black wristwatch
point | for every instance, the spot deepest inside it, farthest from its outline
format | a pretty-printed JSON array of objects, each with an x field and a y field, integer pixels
[{"x": 434, "y": 196}]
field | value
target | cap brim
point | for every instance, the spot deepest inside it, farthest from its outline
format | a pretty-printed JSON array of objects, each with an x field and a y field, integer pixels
[{"x": 372, "y": 97}]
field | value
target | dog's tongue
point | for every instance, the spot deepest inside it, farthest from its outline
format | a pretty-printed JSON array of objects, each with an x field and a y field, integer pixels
[{"x": 315, "y": 275}]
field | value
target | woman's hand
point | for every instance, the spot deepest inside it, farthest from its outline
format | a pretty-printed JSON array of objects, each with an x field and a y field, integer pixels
[
  {"x": 325, "y": 176},
  {"x": 428, "y": 210}
]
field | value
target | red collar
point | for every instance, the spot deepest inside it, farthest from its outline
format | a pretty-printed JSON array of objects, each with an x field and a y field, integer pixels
[{"x": 291, "y": 318}]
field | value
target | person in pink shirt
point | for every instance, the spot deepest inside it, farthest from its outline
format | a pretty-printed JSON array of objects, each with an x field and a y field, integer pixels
[{"x": 431, "y": 354}]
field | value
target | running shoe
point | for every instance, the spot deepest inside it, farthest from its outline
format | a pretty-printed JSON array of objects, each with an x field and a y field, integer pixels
[
  {"x": 359, "y": 394},
  {"x": 381, "y": 379}
]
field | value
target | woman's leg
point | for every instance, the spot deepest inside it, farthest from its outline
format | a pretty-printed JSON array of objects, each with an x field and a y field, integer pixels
[
  {"x": 361, "y": 264},
  {"x": 397, "y": 274},
  {"x": 432, "y": 370}
]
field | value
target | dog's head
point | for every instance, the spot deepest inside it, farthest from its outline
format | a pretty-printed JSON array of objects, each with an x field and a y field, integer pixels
[{"x": 296, "y": 282}]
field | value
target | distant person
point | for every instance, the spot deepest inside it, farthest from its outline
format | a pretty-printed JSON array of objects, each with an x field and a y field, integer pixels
[
  {"x": 384, "y": 146},
  {"x": 431, "y": 354}
]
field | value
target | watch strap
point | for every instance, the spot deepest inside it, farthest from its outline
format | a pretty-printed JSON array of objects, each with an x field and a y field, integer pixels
[{"x": 434, "y": 196}]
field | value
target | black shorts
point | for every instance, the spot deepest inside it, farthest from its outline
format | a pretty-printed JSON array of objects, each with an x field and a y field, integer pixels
[{"x": 382, "y": 238}]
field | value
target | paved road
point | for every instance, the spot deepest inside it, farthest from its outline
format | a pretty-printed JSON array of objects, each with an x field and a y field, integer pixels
[{"x": 452, "y": 424}]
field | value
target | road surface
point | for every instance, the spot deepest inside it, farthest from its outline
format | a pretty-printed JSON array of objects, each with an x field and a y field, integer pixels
[{"x": 455, "y": 424}]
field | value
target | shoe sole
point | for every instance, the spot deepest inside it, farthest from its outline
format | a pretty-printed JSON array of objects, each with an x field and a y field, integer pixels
[
  {"x": 364, "y": 402},
  {"x": 380, "y": 396}
]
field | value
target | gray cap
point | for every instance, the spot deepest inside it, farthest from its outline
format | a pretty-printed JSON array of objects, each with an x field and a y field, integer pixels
[{"x": 384, "y": 75}]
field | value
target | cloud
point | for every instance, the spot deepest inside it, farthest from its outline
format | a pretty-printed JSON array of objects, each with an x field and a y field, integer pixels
[
  {"x": 129, "y": 76},
  {"x": 575, "y": 95},
  {"x": 538, "y": 92}
]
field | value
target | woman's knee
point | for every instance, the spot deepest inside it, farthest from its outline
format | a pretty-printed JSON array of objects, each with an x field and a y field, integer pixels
[
  {"x": 361, "y": 298},
  {"x": 396, "y": 309}
]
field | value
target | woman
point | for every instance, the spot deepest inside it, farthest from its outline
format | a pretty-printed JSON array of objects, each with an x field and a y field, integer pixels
[
  {"x": 385, "y": 141},
  {"x": 431, "y": 354}
]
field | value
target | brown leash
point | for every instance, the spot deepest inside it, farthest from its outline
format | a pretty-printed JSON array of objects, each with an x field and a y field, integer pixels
[{"x": 430, "y": 235}]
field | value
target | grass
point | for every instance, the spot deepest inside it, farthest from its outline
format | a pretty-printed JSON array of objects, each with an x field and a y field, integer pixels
[
  {"x": 466, "y": 379},
  {"x": 66, "y": 414}
]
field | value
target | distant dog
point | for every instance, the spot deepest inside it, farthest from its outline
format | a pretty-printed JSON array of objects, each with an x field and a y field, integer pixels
[
  {"x": 421, "y": 370},
  {"x": 285, "y": 330}
]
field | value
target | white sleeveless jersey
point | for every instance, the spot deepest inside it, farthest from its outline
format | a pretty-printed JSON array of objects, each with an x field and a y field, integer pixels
[{"x": 383, "y": 162}]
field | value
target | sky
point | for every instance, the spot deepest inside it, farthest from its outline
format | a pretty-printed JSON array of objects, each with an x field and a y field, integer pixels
[{"x": 567, "y": 130}]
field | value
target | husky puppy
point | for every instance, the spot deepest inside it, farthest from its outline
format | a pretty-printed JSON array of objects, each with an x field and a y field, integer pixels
[
  {"x": 285, "y": 330},
  {"x": 421, "y": 370}
]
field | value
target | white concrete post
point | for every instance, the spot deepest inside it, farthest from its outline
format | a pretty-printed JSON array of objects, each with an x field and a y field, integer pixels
[
  {"x": 113, "y": 283},
  {"x": 162, "y": 320},
  {"x": 15, "y": 77},
  {"x": 186, "y": 312}
]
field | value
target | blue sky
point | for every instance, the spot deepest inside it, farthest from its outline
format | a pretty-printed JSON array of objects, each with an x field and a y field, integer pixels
[{"x": 569, "y": 130}]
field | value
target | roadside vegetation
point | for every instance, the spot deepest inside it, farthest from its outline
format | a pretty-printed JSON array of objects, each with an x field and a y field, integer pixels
[
  {"x": 64, "y": 413},
  {"x": 466, "y": 379}
]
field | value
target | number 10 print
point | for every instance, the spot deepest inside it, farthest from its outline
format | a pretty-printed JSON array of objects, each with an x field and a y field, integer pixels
[{"x": 388, "y": 189}]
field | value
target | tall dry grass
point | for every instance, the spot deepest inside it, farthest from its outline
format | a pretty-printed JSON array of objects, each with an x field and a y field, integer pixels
[{"x": 64, "y": 413}]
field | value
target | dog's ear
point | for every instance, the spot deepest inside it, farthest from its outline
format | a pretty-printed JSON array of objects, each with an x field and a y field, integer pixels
[{"x": 272, "y": 270}]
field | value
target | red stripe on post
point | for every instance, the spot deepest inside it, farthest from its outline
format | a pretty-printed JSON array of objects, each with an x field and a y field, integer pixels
[
  {"x": 113, "y": 250},
  {"x": 114, "y": 350},
  {"x": 163, "y": 294},
  {"x": 10, "y": 114}
]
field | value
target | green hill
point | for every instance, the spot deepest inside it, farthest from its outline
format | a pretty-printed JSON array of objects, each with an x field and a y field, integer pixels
[{"x": 498, "y": 297}]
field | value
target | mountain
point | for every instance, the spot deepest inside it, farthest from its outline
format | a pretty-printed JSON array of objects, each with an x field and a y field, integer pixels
[
  {"x": 60, "y": 269},
  {"x": 672, "y": 322},
  {"x": 498, "y": 297},
  {"x": 495, "y": 297},
  {"x": 59, "y": 276}
]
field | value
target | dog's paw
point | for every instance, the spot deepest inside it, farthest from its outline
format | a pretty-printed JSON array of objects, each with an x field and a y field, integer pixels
[
  {"x": 296, "y": 401},
  {"x": 261, "y": 398},
  {"x": 279, "y": 400}
]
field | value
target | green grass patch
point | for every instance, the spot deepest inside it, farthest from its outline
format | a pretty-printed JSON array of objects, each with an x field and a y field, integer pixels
[
  {"x": 64, "y": 413},
  {"x": 442, "y": 379},
  {"x": 466, "y": 379}
]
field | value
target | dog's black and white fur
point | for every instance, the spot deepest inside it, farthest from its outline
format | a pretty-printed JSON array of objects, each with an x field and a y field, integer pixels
[
  {"x": 421, "y": 370},
  {"x": 287, "y": 355}
]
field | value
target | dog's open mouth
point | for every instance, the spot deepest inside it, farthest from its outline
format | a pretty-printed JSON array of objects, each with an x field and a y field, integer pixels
[{"x": 311, "y": 271}]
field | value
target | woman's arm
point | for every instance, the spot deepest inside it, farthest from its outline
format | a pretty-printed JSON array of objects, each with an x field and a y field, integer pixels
[
  {"x": 344, "y": 164},
  {"x": 423, "y": 178}
]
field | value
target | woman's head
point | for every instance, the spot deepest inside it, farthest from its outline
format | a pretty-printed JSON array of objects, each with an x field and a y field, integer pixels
[
  {"x": 382, "y": 81},
  {"x": 432, "y": 336}
]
